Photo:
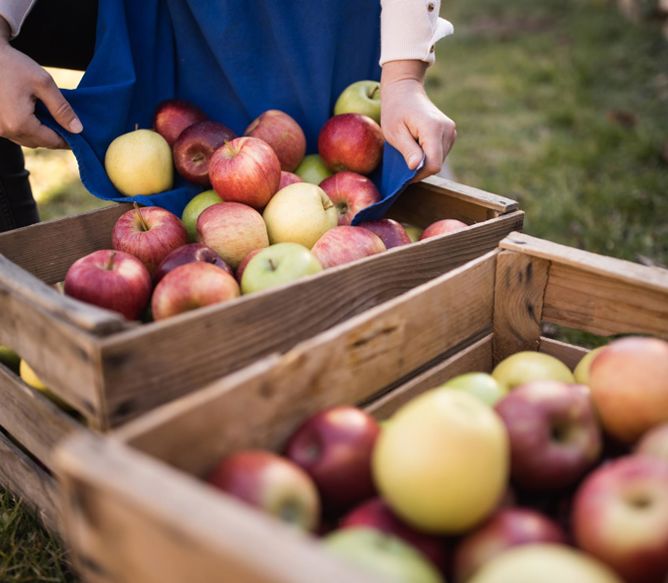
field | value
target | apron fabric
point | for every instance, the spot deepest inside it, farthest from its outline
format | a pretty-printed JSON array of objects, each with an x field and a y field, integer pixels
[{"x": 232, "y": 58}]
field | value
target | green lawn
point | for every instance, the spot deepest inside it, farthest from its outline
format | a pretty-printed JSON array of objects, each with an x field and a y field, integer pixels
[{"x": 559, "y": 103}]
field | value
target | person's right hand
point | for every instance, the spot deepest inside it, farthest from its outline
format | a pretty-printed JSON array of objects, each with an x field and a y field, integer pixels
[{"x": 23, "y": 82}]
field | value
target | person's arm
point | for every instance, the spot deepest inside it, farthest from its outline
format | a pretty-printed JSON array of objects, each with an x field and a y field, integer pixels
[
  {"x": 411, "y": 122},
  {"x": 23, "y": 82}
]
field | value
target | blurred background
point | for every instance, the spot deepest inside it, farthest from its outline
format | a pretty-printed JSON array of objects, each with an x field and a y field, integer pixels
[{"x": 560, "y": 104}]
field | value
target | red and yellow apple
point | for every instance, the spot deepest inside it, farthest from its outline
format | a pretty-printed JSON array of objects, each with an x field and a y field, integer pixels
[
  {"x": 350, "y": 192},
  {"x": 345, "y": 244},
  {"x": 351, "y": 142},
  {"x": 283, "y": 134}
]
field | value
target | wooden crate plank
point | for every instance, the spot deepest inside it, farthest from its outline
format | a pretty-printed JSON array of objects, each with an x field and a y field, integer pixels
[
  {"x": 569, "y": 354},
  {"x": 48, "y": 249},
  {"x": 518, "y": 302}
]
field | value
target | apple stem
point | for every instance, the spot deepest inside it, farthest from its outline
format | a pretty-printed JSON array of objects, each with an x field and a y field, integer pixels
[
  {"x": 144, "y": 226},
  {"x": 374, "y": 91},
  {"x": 110, "y": 263},
  {"x": 272, "y": 265}
]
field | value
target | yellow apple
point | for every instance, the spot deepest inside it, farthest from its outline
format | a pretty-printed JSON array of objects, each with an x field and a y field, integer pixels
[
  {"x": 525, "y": 367},
  {"x": 140, "y": 162},
  {"x": 30, "y": 378},
  {"x": 581, "y": 372},
  {"x": 544, "y": 563},
  {"x": 442, "y": 463},
  {"x": 414, "y": 233},
  {"x": 479, "y": 384}
]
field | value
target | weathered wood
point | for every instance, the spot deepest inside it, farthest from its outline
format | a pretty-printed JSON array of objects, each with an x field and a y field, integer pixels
[
  {"x": 518, "y": 302},
  {"x": 569, "y": 354},
  {"x": 48, "y": 249}
]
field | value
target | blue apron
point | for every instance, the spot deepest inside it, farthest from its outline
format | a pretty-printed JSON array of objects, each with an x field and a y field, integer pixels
[{"x": 234, "y": 59}]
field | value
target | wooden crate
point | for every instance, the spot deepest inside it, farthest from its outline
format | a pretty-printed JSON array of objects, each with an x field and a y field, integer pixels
[
  {"x": 110, "y": 369},
  {"x": 135, "y": 508}
]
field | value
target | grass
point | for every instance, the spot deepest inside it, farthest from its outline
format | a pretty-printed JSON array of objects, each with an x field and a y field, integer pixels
[{"x": 559, "y": 103}]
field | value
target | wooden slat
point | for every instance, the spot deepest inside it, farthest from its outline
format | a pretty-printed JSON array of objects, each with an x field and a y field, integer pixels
[
  {"x": 475, "y": 358},
  {"x": 29, "y": 481},
  {"x": 518, "y": 302},
  {"x": 30, "y": 418},
  {"x": 140, "y": 368},
  {"x": 48, "y": 249},
  {"x": 569, "y": 354},
  {"x": 359, "y": 357}
]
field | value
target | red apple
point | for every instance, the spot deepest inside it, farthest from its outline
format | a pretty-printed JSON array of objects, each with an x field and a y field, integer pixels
[
  {"x": 232, "y": 230},
  {"x": 443, "y": 227},
  {"x": 245, "y": 170},
  {"x": 620, "y": 516},
  {"x": 655, "y": 442},
  {"x": 148, "y": 233},
  {"x": 270, "y": 483},
  {"x": 283, "y": 134},
  {"x": 350, "y": 192},
  {"x": 192, "y": 286},
  {"x": 244, "y": 262},
  {"x": 554, "y": 434},
  {"x": 344, "y": 244},
  {"x": 110, "y": 279},
  {"x": 507, "y": 528},
  {"x": 377, "y": 514},
  {"x": 288, "y": 178},
  {"x": 195, "y": 147},
  {"x": 189, "y": 254},
  {"x": 391, "y": 232},
  {"x": 629, "y": 384},
  {"x": 351, "y": 142},
  {"x": 173, "y": 116},
  {"x": 334, "y": 447}
]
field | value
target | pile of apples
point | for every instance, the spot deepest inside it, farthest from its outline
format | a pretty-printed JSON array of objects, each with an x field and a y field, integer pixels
[
  {"x": 533, "y": 473},
  {"x": 260, "y": 226}
]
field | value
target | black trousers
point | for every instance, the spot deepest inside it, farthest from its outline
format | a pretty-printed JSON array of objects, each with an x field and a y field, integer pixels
[{"x": 55, "y": 34}]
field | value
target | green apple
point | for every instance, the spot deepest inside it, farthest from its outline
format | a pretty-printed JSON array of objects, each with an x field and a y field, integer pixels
[
  {"x": 194, "y": 209},
  {"x": 381, "y": 554},
  {"x": 276, "y": 265},
  {"x": 140, "y": 162},
  {"x": 442, "y": 464},
  {"x": 313, "y": 169},
  {"x": 525, "y": 367},
  {"x": 9, "y": 358},
  {"x": 414, "y": 233},
  {"x": 361, "y": 97},
  {"x": 480, "y": 385},
  {"x": 581, "y": 372}
]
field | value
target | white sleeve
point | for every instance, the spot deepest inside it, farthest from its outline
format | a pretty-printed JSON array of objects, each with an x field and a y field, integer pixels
[
  {"x": 15, "y": 12},
  {"x": 409, "y": 30}
]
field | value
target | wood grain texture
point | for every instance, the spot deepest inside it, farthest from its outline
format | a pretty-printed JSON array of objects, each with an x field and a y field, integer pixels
[
  {"x": 48, "y": 249},
  {"x": 569, "y": 354},
  {"x": 518, "y": 302}
]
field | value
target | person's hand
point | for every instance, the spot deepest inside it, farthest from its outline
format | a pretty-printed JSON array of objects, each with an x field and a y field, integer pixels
[
  {"x": 410, "y": 121},
  {"x": 23, "y": 82}
]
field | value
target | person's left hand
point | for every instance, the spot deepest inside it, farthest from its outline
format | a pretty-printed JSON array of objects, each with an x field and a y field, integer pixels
[{"x": 410, "y": 121}]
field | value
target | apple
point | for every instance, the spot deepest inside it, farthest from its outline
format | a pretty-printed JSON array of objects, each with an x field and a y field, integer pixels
[
  {"x": 110, "y": 279},
  {"x": 654, "y": 442},
  {"x": 414, "y": 233},
  {"x": 351, "y": 142},
  {"x": 283, "y": 134},
  {"x": 194, "y": 209},
  {"x": 442, "y": 462},
  {"x": 239, "y": 273},
  {"x": 361, "y": 97},
  {"x": 391, "y": 233},
  {"x": 377, "y": 514},
  {"x": 194, "y": 149},
  {"x": 188, "y": 254},
  {"x": 288, "y": 178},
  {"x": 629, "y": 384},
  {"x": 148, "y": 233},
  {"x": 344, "y": 244},
  {"x": 9, "y": 358},
  {"x": 173, "y": 116},
  {"x": 232, "y": 230},
  {"x": 334, "y": 447},
  {"x": 544, "y": 563},
  {"x": 299, "y": 213},
  {"x": 270, "y": 483},
  {"x": 191, "y": 286},
  {"x": 139, "y": 162},
  {"x": 507, "y": 528},
  {"x": 388, "y": 557},
  {"x": 480, "y": 385},
  {"x": 30, "y": 378},
  {"x": 554, "y": 433},
  {"x": 277, "y": 265},
  {"x": 528, "y": 366},
  {"x": 245, "y": 170},
  {"x": 312, "y": 169},
  {"x": 442, "y": 228},
  {"x": 350, "y": 192},
  {"x": 620, "y": 516},
  {"x": 581, "y": 371}
]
